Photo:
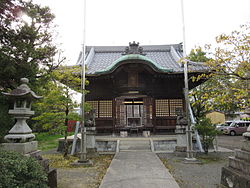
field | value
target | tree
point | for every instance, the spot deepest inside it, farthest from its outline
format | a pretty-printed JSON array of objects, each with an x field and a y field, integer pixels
[
  {"x": 67, "y": 77},
  {"x": 57, "y": 107},
  {"x": 27, "y": 48},
  {"x": 207, "y": 132},
  {"x": 230, "y": 62},
  {"x": 53, "y": 111},
  {"x": 198, "y": 55},
  {"x": 227, "y": 88},
  {"x": 199, "y": 95}
]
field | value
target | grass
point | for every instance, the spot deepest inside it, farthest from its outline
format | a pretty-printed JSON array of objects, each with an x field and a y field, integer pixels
[
  {"x": 206, "y": 159},
  {"x": 167, "y": 165},
  {"x": 47, "y": 141},
  {"x": 58, "y": 161}
]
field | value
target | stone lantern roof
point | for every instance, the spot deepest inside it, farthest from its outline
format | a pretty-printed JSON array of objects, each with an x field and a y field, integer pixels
[{"x": 23, "y": 91}]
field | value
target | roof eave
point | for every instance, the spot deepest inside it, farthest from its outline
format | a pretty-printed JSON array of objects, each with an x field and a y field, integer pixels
[{"x": 126, "y": 58}]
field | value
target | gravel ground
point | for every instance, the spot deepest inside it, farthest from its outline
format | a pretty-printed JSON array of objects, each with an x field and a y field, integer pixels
[
  {"x": 230, "y": 142},
  {"x": 207, "y": 174}
]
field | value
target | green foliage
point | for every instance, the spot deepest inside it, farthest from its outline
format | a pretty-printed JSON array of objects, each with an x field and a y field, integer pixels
[
  {"x": 212, "y": 95},
  {"x": 198, "y": 55},
  {"x": 20, "y": 171},
  {"x": 6, "y": 121},
  {"x": 69, "y": 76},
  {"x": 46, "y": 141},
  {"x": 207, "y": 132},
  {"x": 54, "y": 109},
  {"x": 246, "y": 119},
  {"x": 227, "y": 88},
  {"x": 26, "y": 47}
]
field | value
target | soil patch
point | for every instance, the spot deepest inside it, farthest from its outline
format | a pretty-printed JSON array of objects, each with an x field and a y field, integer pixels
[{"x": 82, "y": 177}]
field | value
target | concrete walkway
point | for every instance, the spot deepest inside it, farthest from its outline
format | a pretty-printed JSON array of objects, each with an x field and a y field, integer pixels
[{"x": 136, "y": 169}]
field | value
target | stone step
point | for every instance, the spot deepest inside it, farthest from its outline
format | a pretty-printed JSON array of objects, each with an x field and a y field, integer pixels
[
  {"x": 128, "y": 145},
  {"x": 134, "y": 142},
  {"x": 244, "y": 155},
  {"x": 240, "y": 165},
  {"x": 233, "y": 178}
]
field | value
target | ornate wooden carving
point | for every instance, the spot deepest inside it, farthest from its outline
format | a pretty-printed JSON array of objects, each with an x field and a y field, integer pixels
[
  {"x": 133, "y": 48},
  {"x": 133, "y": 79}
]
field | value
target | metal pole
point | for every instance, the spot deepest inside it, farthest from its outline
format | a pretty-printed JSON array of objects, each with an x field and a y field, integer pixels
[
  {"x": 189, "y": 131},
  {"x": 83, "y": 153}
]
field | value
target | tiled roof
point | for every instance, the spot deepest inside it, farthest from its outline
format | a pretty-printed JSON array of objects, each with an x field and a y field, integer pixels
[{"x": 167, "y": 57}]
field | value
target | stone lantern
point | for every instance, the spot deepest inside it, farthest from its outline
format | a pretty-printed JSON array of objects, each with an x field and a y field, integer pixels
[{"x": 21, "y": 133}]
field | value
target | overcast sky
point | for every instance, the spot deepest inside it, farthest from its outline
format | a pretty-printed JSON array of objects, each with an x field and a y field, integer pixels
[{"x": 118, "y": 22}]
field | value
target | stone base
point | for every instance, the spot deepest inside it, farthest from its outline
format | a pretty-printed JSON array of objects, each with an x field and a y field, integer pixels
[
  {"x": 191, "y": 161},
  {"x": 123, "y": 134},
  {"x": 246, "y": 145},
  {"x": 180, "y": 151},
  {"x": 146, "y": 133},
  {"x": 234, "y": 179},
  {"x": 20, "y": 138},
  {"x": 23, "y": 148},
  {"x": 90, "y": 140},
  {"x": 106, "y": 146},
  {"x": 181, "y": 140}
]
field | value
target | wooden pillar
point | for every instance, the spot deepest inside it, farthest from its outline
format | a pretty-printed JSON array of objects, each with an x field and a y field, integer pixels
[
  {"x": 154, "y": 114},
  {"x": 114, "y": 113}
]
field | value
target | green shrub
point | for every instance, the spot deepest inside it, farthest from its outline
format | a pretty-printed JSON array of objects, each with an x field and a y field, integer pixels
[
  {"x": 6, "y": 121},
  {"x": 207, "y": 132},
  {"x": 19, "y": 171}
]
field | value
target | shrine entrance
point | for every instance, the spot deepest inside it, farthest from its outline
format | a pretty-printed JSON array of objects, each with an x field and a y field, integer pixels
[{"x": 134, "y": 113}]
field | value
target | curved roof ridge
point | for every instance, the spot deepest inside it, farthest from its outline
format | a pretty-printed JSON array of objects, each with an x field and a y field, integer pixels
[{"x": 116, "y": 63}]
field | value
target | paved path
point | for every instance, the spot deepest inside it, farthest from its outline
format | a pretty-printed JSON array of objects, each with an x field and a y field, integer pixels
[{"x": 137, "y": 169}]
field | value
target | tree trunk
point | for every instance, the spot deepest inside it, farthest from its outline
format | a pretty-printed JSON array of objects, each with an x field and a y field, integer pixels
[{"x": 66, "y": 144}]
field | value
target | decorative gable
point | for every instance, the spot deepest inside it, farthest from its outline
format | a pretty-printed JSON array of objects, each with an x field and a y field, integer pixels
[{"x": 133, "y": 48}]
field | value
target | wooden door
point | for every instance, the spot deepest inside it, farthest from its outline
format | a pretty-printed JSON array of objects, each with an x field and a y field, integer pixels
[
  {"x": 148, "y": 112},
  {"x": 120, "y": 113}
]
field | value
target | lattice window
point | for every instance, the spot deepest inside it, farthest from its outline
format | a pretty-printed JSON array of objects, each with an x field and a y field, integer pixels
[
  {"x": 162, "y": 107},
  {"x": 94, "y": 105},
  {"x": 105, "y": 108},
  {"x": 175, "y": 103}
]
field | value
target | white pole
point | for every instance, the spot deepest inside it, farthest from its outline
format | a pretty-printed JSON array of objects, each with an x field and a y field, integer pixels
[
  {"x": 83, "y": 153},
  {"x": 183, "y": 29},
  {"x": 189, "y": 131}
]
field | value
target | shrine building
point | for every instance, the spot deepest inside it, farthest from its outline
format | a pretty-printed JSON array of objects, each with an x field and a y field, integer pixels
[{"x": 137, "y": 87}]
